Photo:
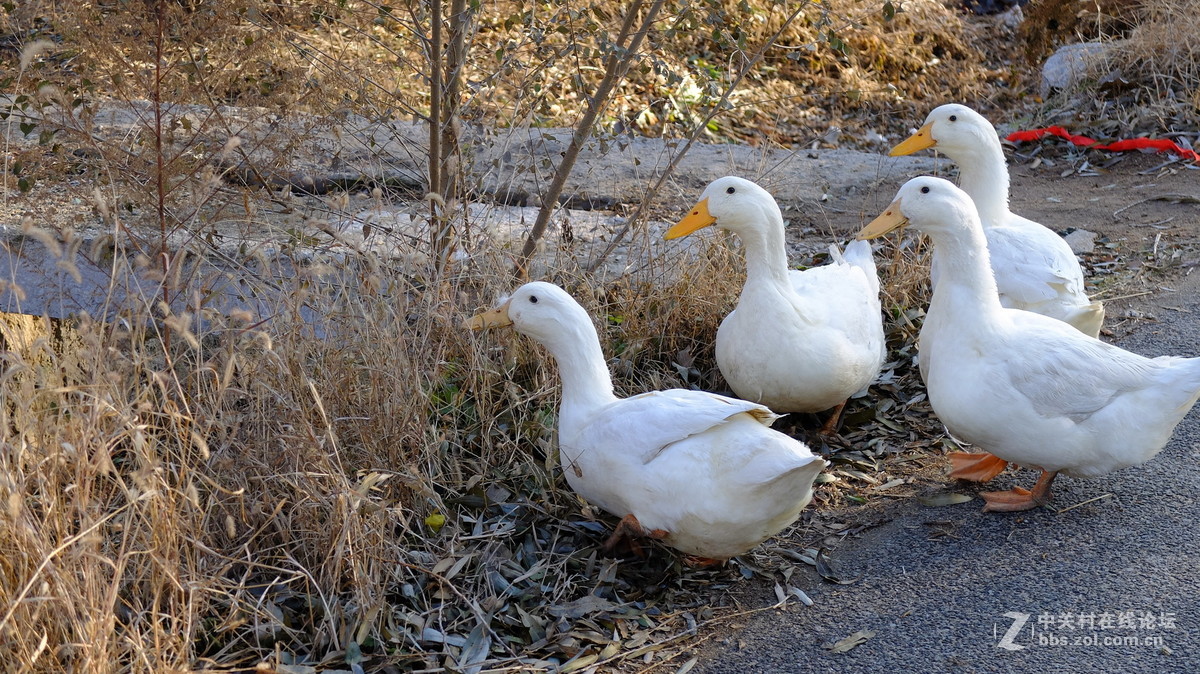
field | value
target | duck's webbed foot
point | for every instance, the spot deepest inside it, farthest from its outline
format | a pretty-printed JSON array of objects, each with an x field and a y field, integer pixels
[
  {"x": 1018, "y": 499},
  {"x": 834, "y": 422},
  {"x": 975, "y": 467},
  {"x": 629, "y": 529}
]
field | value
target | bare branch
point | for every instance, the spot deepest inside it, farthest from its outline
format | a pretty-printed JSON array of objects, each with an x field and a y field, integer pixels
[
  {"x": 638, "y": 214},
  {"x": 618, "y": 63}
]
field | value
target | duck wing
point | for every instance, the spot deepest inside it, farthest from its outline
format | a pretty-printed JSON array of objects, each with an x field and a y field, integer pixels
[
  {"x": 1032, "y": 264},
  {"x": 645, "y": 425},
  {"x": 858, "y": 254},
  {"x": 1065, "y": 374}
]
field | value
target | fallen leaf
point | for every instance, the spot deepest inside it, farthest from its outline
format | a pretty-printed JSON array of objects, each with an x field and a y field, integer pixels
[
  {"x": 430, "y": 635},
  {"x": 856, "y": 639},
  {"x": 455, "y": 568},
  {"x": 889, "y": 484},
  {"x": 801, "y": 595},
  {"x": 579, "y": 663},
  {"x": 475, "y": 650},
  {"x": 944, "y": 499},
  {"x": 580, "y": 607},
  {"x": 826, "y": 571},
  {"x": 859, "y": 475}
]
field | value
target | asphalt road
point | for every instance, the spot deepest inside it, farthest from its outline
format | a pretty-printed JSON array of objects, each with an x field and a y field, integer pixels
[{"x": 944, "y": 603}]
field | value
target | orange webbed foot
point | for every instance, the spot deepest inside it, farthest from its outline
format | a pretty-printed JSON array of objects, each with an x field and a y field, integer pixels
[
  {"x": 975, "y": 467},
  {"x": 834, "y": 422},
  {"x": 1018, "y": 499},
  {"x": 1013, "y": 500},
  {"x": 629, "y": 529}
]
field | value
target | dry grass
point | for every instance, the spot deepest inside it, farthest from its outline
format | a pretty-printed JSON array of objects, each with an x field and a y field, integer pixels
[
  {"x": 256, "y": 493},
  {"x": 835, "y": 64},
  {"x": 1144, "y": 83},
  {"x": 1158, "y": 58},
  {"x": 358, "y": 476},
  {"x": 334, "y": 473}
]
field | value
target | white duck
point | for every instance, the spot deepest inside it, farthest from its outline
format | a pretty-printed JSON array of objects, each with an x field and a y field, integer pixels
[
  {"x": 1027, "y": 388},
  {"x": 1035, "y": 268},
  {"x": 798, "y": 341},
  {"x": 700, "y": 471}
]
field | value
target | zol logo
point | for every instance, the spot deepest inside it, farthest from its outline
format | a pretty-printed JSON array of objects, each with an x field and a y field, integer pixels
[{"x": 1006, "y": 642}]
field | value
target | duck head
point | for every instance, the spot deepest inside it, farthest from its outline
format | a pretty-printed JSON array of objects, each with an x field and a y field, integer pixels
[
  {"x": 932, "y": 205},
  {"x": 538, "y": 309},
  {"x": 953, "y": 129},
  {"x": 731, "y": 203}
]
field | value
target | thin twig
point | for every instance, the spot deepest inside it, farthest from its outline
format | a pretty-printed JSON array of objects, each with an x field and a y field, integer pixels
[
  {"x": 1178, "y": 198},
  {"x": 1122, "y": 297},
  {"x": 638, "y": 213},
  {"x": 619, "y": 61},
  {"x": 1102, "y": 496},
  {"x": 689, "y": 632},
  {"x": 435, "y": 119}
]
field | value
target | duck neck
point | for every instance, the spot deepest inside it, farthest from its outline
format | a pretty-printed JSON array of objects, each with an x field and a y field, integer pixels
[
  {"x": 984, "y": 176},
  {"x": 586, "y": 381},
  {"x": 966, "y": 284},
  {"x": 766, "y": 254}
]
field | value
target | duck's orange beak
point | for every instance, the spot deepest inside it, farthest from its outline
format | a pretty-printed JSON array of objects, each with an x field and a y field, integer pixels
[
  {"x": 698, "y": 218},
  {"x": 920, "y": 140},
  {"x": 492, "y": 318},
  {"x": 890, "y": 219}
]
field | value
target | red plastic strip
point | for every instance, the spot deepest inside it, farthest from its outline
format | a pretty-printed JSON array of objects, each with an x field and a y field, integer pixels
[{"x": 1156, "y": 144}]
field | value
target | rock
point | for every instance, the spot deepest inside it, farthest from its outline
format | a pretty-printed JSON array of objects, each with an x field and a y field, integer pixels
[
  {"x": 1081, "y": 240},
  {"x": 1071, "y": 63},
  {"x": 1012, "y": 17}
]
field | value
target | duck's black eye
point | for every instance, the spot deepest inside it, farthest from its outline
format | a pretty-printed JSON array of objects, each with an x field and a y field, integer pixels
[
  {"x": 533, "y": 298},
  {"x": 953, "y": 118},
  {"x": 924, "y": 190},
  {"x": 730, "y": 190}
]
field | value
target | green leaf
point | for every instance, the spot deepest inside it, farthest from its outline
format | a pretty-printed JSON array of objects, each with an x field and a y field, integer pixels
[
  {"x": 837, "y": 43},
  {"x": 28, "y": 127},
  {"x": 889, "y": 11},
  {"x": 435, "y": 521}
]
